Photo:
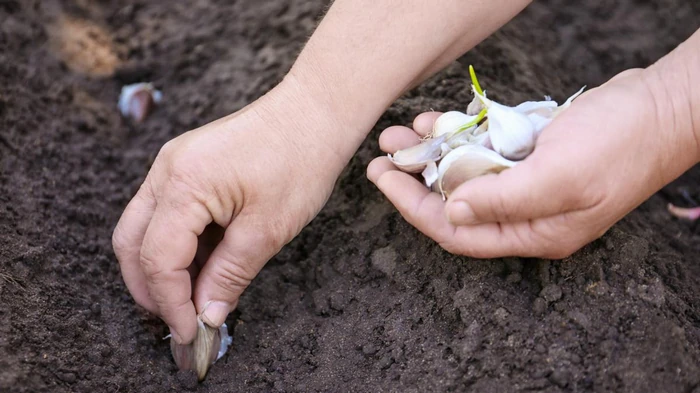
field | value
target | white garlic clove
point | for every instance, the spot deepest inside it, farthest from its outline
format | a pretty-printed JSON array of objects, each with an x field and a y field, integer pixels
[
  {"x": 540, "y": 122},
  {"x": 467, "y": 162},
  {"x": 475, "y": 106},
  {"x": 430, "y": 173},
  {"x": 483, "y": 128},
  {"x": 415, "y": 158},
  {"x": 541, "y": 107},
  {"x": 449, "y": 122},
  {"x": 512, "y": 133},
  {"x": 208, "y": 346},
  {"x": 136, "y": 101}
]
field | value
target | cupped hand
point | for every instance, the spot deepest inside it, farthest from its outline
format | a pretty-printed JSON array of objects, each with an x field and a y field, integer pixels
[
  {"x": 259, "y": 175},
  {"x": 612, "y": 149}
]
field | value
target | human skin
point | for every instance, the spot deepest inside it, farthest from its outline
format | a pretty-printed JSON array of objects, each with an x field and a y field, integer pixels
[
  {"x": 265, "y": 171},
  {"x": 605, "y": 155}
]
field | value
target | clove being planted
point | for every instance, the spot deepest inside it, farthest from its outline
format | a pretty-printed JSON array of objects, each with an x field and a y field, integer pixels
[
  {"x": 486, "y": 139},
  {"x": 209, "y": 345}
]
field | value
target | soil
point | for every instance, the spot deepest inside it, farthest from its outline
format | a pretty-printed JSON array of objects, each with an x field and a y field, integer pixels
[{"x": 359, "y": 301}]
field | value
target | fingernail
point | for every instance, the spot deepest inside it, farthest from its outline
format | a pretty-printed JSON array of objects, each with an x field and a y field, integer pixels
[
  {"x": 460, "y": 213},
  {"x": 215, "y": 313},
  {"x": 175, "y": 336}
]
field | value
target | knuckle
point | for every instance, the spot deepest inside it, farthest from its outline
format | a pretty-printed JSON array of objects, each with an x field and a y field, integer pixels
[
  {"x": 234, "y": 276},
  {"x": 168, "y": 149},
  {"x": 150, "y": 265},
  {"x": 119, "y": 241}
]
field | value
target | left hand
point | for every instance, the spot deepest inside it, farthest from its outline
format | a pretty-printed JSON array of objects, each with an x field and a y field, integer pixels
[{"x": 612, "y": 149}]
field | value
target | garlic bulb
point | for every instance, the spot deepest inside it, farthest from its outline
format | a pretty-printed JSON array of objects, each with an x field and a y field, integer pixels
[
  {"x": 209, "y": 345},
  {"x": 467, "y": 162}
]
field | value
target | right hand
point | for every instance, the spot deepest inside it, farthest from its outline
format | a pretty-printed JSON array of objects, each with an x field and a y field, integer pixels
[{"x": 260, "y": 174}]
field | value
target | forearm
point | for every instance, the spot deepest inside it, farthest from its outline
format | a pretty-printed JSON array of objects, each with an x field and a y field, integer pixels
[
  {"x": 366, "y": 53},
  {"x": 674, "y": 80}
]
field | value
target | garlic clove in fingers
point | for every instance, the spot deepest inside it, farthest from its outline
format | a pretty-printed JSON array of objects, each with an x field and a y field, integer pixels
[
  {"x": 511, "y": 132},
  {"x": 415, "y": 158},
  {"x": 467, "y": 162},
  {"x": 475, "y": 107},
  {"x": 209, "y": 345},
  {"x": 450, "y": 122}
]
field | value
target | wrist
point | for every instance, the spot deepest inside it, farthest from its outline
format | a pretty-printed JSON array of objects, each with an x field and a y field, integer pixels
[{"x": 306, "y": 125}]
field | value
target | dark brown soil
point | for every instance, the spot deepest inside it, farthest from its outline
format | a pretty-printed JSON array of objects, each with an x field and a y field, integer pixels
[{"x": 360, "y": 301}]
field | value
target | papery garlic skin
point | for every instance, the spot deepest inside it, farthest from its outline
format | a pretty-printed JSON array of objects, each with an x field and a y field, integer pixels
[
  {"x": 430, "y": 173},
  {"x": 467, "y": 162}
]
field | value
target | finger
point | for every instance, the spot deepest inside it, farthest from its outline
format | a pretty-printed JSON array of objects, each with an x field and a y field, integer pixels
[
  {"x": 169, "y": 247},
  {"x": 126, "y": 242},
  {"x": 425, "y": 210},
  {"x": 245, "y": 249},
  {"x": 396, "y": 138},
  {"x": 423, "y": 123},
  {"x": 539, "y": 186},
  {"x": 377, "y": 167},
  {"x": 416, "y": 203}
]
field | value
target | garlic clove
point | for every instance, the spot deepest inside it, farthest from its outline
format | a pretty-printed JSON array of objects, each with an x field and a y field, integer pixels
[
  {"x": 430, "y": 173},
  {"x": 685, "y": 213},
  {"x": 415, "y": 158},
  {"x": 475, "y": 106},
  {"x": 540, "y": 122},
  {"x": 136, "y": 101},
  {"x": 467, "y": 162},
  {"x": 209, "y": 345},
  {"x": 449, "y": 122},
  {"x": 541, "y": 107},
  {"x": 512, "y": 133}
]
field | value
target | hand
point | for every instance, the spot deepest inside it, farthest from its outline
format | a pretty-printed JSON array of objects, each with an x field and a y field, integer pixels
[
  {"x": 260, "y": 174},
  {"x": 606, "y": 154}
]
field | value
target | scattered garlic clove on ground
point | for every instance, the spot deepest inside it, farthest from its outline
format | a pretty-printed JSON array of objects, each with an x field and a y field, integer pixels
[
  {"x": 209, "y": 345},
  {"x": 451, "y": 121},
  {"x": 467, "y": 162},
  {"x": 138, "y": 100},
  {"x": 691, "y": 214}
]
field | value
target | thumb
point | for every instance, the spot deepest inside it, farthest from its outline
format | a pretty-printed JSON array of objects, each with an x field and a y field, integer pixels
[
  {"x": 233, "y": 264},
  {"x": 539, "y": 186}
]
